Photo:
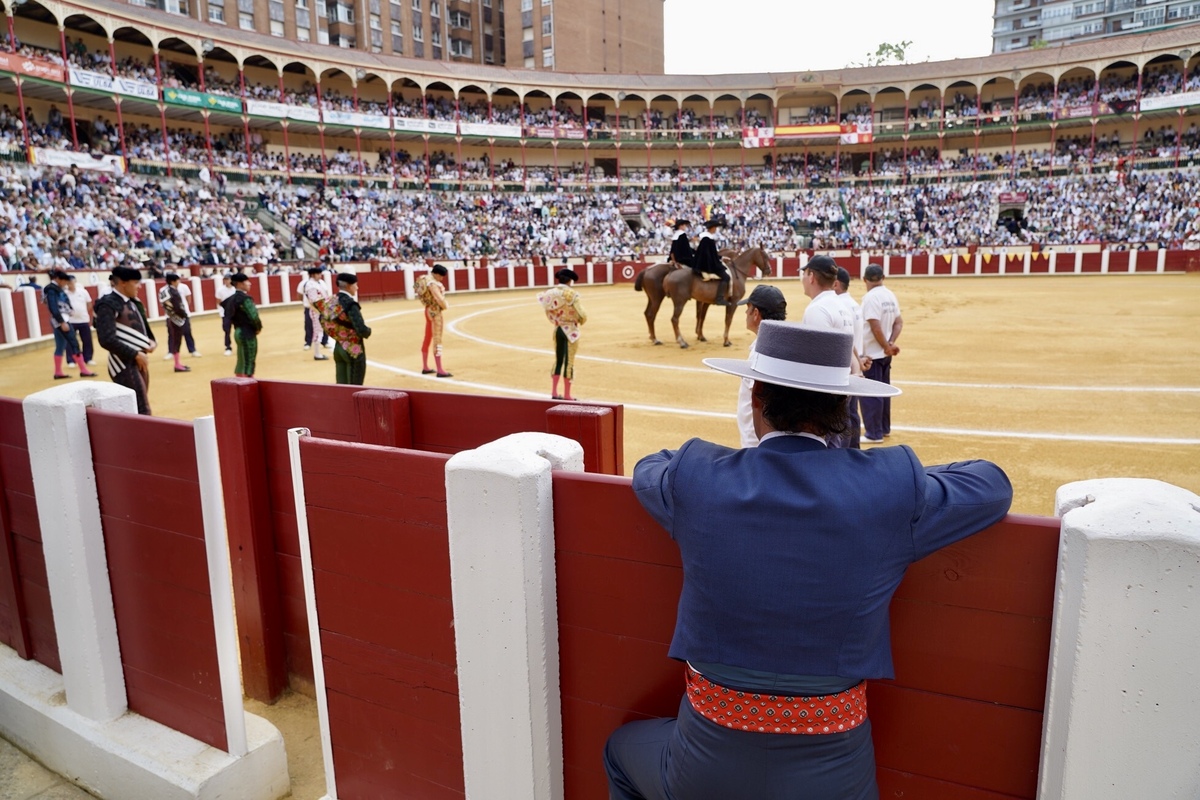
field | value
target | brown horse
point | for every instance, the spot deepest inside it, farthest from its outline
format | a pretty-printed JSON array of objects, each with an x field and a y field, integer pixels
[{"x": 681, "y": 284}]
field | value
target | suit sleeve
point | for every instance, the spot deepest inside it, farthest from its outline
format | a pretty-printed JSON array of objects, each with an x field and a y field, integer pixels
[
  {"x": 354, "y": 312},
  {"x": 106, "y": 333},
  {"x": 653, "y": 483},
  {"x": 957, "y": 500}
]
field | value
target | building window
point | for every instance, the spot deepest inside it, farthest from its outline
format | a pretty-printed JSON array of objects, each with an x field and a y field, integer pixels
[
  {"x": 302, "y": 19},
  {"x": 303, "y": 35},
  {"x": 547, "y": 26},
  {"x": 527, "y": 5},
  {"x": 416, "y": 5},
  {"x": 548, "y": 57},
  {"x": 419, "y": 49},
  {"x": 460, "y": 20},
  {"x": 216, "y": 11},
  {"x": 376, "y": 23},
  {"x": 275, "y": 13},
  {"x": 246, "y": 21},
  {"x": 487, "y": 3},
  {"x": 398, "y": 45},
  {"x": 375, "y": 7},
  {"x": 460, "y": 48},
  {"x": 377, "y": 39},
  {"x": 434, "y": 8},
  {"x": 418, "y": 32},
  {"x": 276, "y": 27},
  {"x": 301, "y": 3},
  {"x": 343, "y": 13},
  {"x": 437, "y": 38}
]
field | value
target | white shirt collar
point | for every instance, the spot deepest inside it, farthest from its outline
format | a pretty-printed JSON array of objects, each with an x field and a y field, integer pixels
[{"x": 776, "y": 434}]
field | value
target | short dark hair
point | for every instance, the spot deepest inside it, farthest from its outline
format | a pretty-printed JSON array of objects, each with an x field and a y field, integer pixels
[
  {"x": 438, "y": 269},
  {"x": 789, "y": 409}
]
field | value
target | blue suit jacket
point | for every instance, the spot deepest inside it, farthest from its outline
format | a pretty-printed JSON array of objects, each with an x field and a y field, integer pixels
[{"x": 791, "y": 551}]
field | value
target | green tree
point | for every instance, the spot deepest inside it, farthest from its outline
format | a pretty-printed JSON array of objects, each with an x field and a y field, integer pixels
[{"x": 887, "y": 53}]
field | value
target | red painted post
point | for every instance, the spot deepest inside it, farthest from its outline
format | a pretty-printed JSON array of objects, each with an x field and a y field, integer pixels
[
  {"x": 10, "y": 584},
  {"x": 384, "y": 418},
  {"x": 237, "y": 404},
  {"x": 593, "y": 427}
]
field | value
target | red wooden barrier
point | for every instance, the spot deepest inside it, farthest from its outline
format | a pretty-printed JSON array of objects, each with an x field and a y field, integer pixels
[
  {"x": 208, "y": 292},
  {"x": 971, "y": 638},
  {"x": 149, "y": 494},
  {"x": 253, "y": 418},
  {"x": 26, "y": 618},
  {"x": 381, "y": 568}
]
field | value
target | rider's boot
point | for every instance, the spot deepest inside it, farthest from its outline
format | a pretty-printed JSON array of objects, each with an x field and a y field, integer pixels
[{"x": 721, "y": 287}]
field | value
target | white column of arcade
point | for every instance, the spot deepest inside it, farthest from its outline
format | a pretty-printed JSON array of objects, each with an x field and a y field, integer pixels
[{"x": 500, "y": 513}]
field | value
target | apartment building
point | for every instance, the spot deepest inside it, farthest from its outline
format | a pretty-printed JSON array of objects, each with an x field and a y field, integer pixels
[
  {"x": 623, "y": 36},
  {"x": 1024, "y": 24}
]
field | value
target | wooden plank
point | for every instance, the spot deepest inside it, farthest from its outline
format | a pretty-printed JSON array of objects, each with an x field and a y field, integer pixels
[
  {"x": 365, "y": 778},
  {"x": 600, "y": 596},
  {"x": 616, "y": 525},
  {"x": 982, "y": 655},
  {"x": 383, "y": 417},
  {"x": 319, "y": 406},
  {"x": 184, "y": 653},
  {"x": 967, "y": 742},
  {"x": 200, "y": 716},
  {"x": 387, "y": 552},
  {"x": 895, "y": 785},
  {"x": 391, "y": 679},
  {"x": 143, "y": 444},
  {"x": 165, "y": 557},
  {"x": 14, "y": 462},
  {"x": 393, "y": 742},
  {"x": 155, "y": 501},
  {"x": 631, "y": 674},
  {"x": 22, "y": 516}
]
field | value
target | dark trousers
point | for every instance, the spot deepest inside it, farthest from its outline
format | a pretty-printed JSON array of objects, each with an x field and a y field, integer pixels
[
  {"x": 247, "y": 353},
  {"x": 84, "y": 330},
  {"x": 179, "y": 333},
  {"x": 64, "y": 342},
  {"x": 132, "y": 378},
  {"x": 349, "y": 369},
  {"x": 877, "y": 411},
  {"x": 691, "y": 758},
  {"x": 227, "y": 326}
]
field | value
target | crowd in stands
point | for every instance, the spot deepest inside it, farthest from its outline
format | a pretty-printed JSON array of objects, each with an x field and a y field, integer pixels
[{"x": 77, "y": 219}]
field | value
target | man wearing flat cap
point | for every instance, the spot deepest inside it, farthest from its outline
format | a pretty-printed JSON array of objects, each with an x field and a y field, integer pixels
[
  {"x": 348, "y": 331},
  {"x": 243, "y": 315},
  {"x": 565, "y": 312},
  {"x": 123, "y": 330},
  {"x": 787, "y": 580},
  {"x": 765, "y": 302}
]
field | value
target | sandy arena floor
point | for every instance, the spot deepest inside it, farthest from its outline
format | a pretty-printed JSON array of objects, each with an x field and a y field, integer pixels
[{"x": 1056, "y": 379}]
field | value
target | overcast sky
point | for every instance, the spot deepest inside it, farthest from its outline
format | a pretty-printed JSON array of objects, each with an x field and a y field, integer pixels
[{"x": 718, "y": 36}]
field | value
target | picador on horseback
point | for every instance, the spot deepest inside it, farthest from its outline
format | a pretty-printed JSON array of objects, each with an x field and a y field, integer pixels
[
  {"x": 709, "y": 265},
  {"x": 681, "y": 248}
]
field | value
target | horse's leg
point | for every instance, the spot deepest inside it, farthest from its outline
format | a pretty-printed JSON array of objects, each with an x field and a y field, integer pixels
[
  {"x": 729, "y": 312},
  {"x": 680, "y": 302},
  {"x": 701, "y": 313},
  {"x": 653, "y": 302}
]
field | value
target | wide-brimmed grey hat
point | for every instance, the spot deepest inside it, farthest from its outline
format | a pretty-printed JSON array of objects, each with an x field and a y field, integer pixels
[{"x": 816, "y": 359}]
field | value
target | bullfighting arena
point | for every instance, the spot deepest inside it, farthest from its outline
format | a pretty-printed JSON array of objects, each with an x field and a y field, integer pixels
[{"x": 1056, "y": 378}]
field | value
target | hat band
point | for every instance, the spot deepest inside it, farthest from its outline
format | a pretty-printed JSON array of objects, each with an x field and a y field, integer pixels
[{"x": 800, "y": 372}]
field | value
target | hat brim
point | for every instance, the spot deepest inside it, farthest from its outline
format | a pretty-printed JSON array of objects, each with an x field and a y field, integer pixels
[{"x": 857, "y": 387}]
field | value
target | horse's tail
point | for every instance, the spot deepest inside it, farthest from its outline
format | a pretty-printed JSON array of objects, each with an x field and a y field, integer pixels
[{"x": 639, "y": 280}]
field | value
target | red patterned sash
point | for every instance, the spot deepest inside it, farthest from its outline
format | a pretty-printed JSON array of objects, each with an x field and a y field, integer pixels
[{"x": 769, "y": 713}]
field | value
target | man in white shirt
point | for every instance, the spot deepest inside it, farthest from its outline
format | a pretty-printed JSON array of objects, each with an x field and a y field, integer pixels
[
  {"x": 81, "y": 317},
  {"x": 765, "y": 302},
  {"x": 859, "y": 363},
  {"x": 883, "y": 323},
  {"x": 826, "y": 310},
  {"x": 226, "y": 289},
  {"x": 314, "y": 293}
]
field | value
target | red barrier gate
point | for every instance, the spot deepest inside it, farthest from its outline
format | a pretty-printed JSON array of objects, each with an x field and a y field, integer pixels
[
  {"x": 971, "y": 639},
  {"x": 381, "y": 569},
  {"x": 26, "y": 618},
  {"x": 252, "y": 422},
  {"x": 149, "y": 493}
]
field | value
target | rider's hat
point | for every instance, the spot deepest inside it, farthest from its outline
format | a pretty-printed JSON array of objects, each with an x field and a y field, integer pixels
[
  {"x": 715, "y": 221},
  {"x": 680, "y": 223}
]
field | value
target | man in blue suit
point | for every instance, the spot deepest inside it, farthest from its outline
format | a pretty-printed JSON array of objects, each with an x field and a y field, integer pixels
[{"x": 788, "y": 576}]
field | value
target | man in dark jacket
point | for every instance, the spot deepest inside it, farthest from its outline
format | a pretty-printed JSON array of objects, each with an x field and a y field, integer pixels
[
  {"x": 681, "y": 248},
  {"x": 122, "y": 330},
  {"x": 239, "y": 307},
  {"x": 59, "y": 303},
  {"x": 709, "y": 265},
  {"x": 349, "y": 353}
]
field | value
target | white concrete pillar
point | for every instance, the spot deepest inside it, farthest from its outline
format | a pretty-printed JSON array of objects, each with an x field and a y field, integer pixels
[
  {"x": 60, "y": 456},
  {"x": 529, "y": 274},
  {"x": 954, "y": 264},
  {"x": 1162, "y": 260},
  {"x": 978, "y": 263},
  {"x": 908, "y": 264},
  {"x": 491, "y": 276},
  {"x": 1123, "y": 695},
  {"x": 409, "y": 293},
  {"x": 152, "y": 311},
  {"x": 512, "y": 275},
  {"x": 1025, "y": 262},
  {"x": 863, "y": 260},
  {"x": 499, "y": 508},
  {"x": 1078, "y": 262},
  {"x": 196, "y": 285},
  {"x": 590, "y": 272},
  {"x": 451, "y": 279},
  {"x": 1053, "y": 261},
  {"x": 1105, "y": 255},
  {"x": 803, "y": 261},
  {"x": 1133, "y": 259},
  {"x": 471, "y": 279},
  {"x": 264, "y": 288},
  {"x": 930, "y": 266},
  {"x": 8, "y": 315},
  {"x": 31, "y": 298}
]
